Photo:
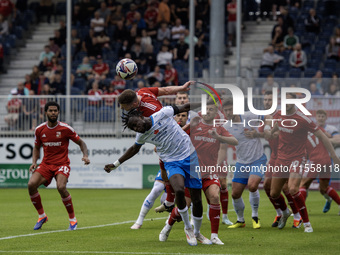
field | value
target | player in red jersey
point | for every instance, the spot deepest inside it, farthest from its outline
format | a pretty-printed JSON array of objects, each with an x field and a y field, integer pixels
[
  {"x": 319, "y": 164},
  {"x": 273, "y": 144},
  {"x": 294, "y": 128},
  {"x": 54, "y": 137}
]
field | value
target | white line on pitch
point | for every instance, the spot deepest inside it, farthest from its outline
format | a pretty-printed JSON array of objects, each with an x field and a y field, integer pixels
[{"x": 111, "y": 252}]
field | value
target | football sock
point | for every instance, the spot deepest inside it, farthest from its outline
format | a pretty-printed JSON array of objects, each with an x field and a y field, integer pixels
[
  {"x": 36, "y": 201},
  {"x": 239, "y": 208},
  {"x": 197, "y": 224},
  {"x": 291, "y": 202},
  {"x": 300, "y": 203},
  {"x": 280, "y": 202},
  {"x": 303, "y": 192},
  {"x": 69, "y": 206},
  {"x": 333, "y": 194},
  {"x": 185, "y": 217},
  {"x": 224, "y": 200},
  {"x": 170, "y": 194},
  {"x": 214, "y": 215},
  {"x": 278, "y": 210},
  {"x": 254, "y": 199},
  {"x": 174, "y": 216}
]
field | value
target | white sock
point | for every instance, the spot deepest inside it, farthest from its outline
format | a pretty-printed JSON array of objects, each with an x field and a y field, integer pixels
[
  {"x": 157, "y": 189},
  {"x": 254, "y": 199},
  {"x": 167, "y": 203},
  {"x": 307, "y": 223},
  {"x": 286, "y": 211},
  {"x": 42, "y": 215},
  {"x": 239, "y": 208},
  {"x": 278, "y": 212},
  {"x": 185, "y": 217},
  {"x": 197, "y": 224},
  {"x": 163, "y": 197},
  {"x": 213, "y": 235},
  {"x": 297, "y": 216},
  {"x": 73, "y": 219},
  {"x": 224, "y": 216}
]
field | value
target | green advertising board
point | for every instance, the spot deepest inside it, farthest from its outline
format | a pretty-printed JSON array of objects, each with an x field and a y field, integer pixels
[
  {"x": 14, "y": 175},
  {"x": 149, "y": 175}
]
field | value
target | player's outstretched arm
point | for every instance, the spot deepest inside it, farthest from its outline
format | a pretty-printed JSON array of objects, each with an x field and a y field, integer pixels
[
  {"x": 36, "y": 155},
  {"x": 328, "y": 145},
  {"x": 132, "y": 151},
  {"x": 223, "y": 139},
  {"x": 83, "y": 148},
  {"x": 172, "y": 90},
  {"x": 186, "y": 107}
]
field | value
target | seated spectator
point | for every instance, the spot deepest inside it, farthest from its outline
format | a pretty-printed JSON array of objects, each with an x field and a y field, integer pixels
[
  {"x": 104, "y": 13},
  {"x": 295, "y": 4},
  {"x": 125, "y": 48},
  {"x": 199, "y": 31},
  {"x": 332, "y": 90},
  {"x": 312, "y": 22},
  {"x": 103, "y": 40},
  {"x": 187, "y": 37},
  {"x": 277, "y": 40},
  {"x": 156, "y": 75},
  {"x": 337, "y": 35},
  {"x": 121, "y": 32},
  {"x": 290, "y": 40},
  {"x": 111, "y": 92},
  {"x": 58, "y": 39},
  {"x": 94, "y": 95},
  {"x": 35, "y": 75},
  {"x": 30, "y": 111},
  {"x": 141, "y": 24},
  {"x": 137, "y": 53},
  {"x": 177, "y": 31},
  {"x": 101, "y": 68},
  {"x": 1, "y": 59},
  {"x": 333, "y": 49},
  {"x": 181, "y": 50},
  {"x": 143, "y": 68},
  {"x": 287, "y": 19},
  {"x": 163, "y": 12},
  {"x": 47, "y": 53},
  {"x": 269, "y": 84},
  {"x": 42, "y": 80},
  {"x": 269, "y": 58},
  {"x": 156, "y": 84},
  {"x": 21, "y": 90},
  {"x": 200, "y": 51},
  {"x": 58, "y": 87},
  {"x": 13, "y": 109},
  {"x": 28, "y": 82},
  {"x": 119, "y": 84},
  {"x": 314, "y": 90},
  {"x": 75, "y": 41},
  {"x": 3, "y": 27},
  {"x": 116, "y": 15},
  {"x": 151, "y": 31},
  {"x": 84, "y": 69},
  {"x": 130, "y": 15},
  {"x": 164, "y": 57},
  {"x": 318, "y": 80},
  {"x": 170, "y": 75},
  {"x": 140, "y": 85},
  {"x": 145, "y": 40},
  {"x": 44, "y": 64},
  {"x": 151, "y": 13},
  {"x": 163, "y": 32},
  {"x": 298, "y": 58},
  {"x": 7, "y": 9},
  {"x": 150, "y": 57},
  {"x": 45, "y": 8},
  {"x": 280, "y": 23},
  {"x": 54, "y": 47},
  {"x": 49, "y": 73},
  {"x": 97, "y": 23},
  {"x": 182, "y": 11}
]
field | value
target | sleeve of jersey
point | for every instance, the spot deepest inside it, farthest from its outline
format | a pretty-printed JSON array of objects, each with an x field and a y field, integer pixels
[
  {"x": 139, "y": 140},
  {"x": 224, "y": 132},
  {"x": 311, "y": 126},
  {"x": 149, "y": 91},
  {"x": 74, "y": 136},
  {"x": 169, "y": 111},
  {"x": 37, "y": 140}
]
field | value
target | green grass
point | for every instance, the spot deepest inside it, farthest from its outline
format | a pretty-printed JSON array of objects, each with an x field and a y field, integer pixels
[{"x": 101, "y": 207}]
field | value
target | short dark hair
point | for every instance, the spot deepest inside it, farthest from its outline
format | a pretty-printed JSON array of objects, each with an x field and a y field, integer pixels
[
  {"x": 51, "y": 103},
  {"x": 321, "y": 112},
  {"x": 227, "y": 102},
  {"x": 268, "y": 92},
  {"x": 131, "y": 114},
  {"x": 127, "y": 97},
  {"x": 293, "y": 95}
]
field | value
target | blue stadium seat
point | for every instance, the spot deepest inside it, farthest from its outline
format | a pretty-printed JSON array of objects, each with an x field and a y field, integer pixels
[
  {"x": 327, "y": 73},
  {"x": 75, "y": 91},
  {"x": 264, "y": 72},
  {"x": 309, "y": 72},
  {"x": 90, "y": 114},
  {"x": 330, "y": 64},
  {"x": 295, "y": 73},
  {"x": 280, "y": 72},
  {"x": 314, "y": 63},
  {"x": 79, "y": 83}
]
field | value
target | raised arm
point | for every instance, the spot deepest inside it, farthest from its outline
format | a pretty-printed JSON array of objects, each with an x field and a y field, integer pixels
[{"x": 172, "y": 90}]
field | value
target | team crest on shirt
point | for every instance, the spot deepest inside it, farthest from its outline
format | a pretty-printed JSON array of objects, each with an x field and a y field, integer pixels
[
  {"x": 156, "y": 132},
  {"x": 58, "y": 134}
]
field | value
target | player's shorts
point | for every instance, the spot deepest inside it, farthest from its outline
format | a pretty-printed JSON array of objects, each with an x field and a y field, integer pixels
[
  {"x": 322, "y": 169},
  {"x": 159, "y": 176},
  {"x": 284, "y": 167},
  {"x": 243, "y": 171},
  {"x": 270, "y": 164},
  {"x": 50, "y": 171},
  {"x": 186, "y": 168},
  {"x": 208, "y": 182}
]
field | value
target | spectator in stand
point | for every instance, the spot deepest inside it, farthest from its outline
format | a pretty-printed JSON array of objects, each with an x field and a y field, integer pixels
[
  {"x": 101, "y": 68},
  {"x": 34, "y": 76},
  {"x": 278, "y": 24},
  {"x": 298, "y": 58},
  {"x": 335, "y": 80},
  {"x": 333, "y": 49},
  {"x": 200, "y": 51},
  {"x": 7, "y": 10},
  {"x": 173, "y": 15},
  {"x": 30, "y": 111},
  {"x": 58, "y": 87},
  {"x": 295, "y": 4},
  {"x": 145, "y": 40},
  {"x": 140, "y": 85},
  {"x": 156, "y": 84},
  {"x": 269, "y": 58},
  {"x": 156, "y": 75},
  {"x": 269, "y": 84},
  {"x": 45, "y": 8},
  {"x": 337, "y": 35},
  {"x": 312, "y": 22},
  {"x": 119, "y": 84},
  {"x": 182, "y": 11},
  {"x": 117, "y": 15},
  {"x": 150, "y": 57},
  {"x": 287, "y": 20},
  {"x": 151, "y": 13},
  {"x": 164, "y": 57},
  {"x": 3, "y": 26},
  {"x": 143, "y": 68},
  {"x": 170, "y": 75},
  {"x": 91, "y": 46},
  {"x": 49, "y": 73},
  {"x": 130, "y": 15},
  {"x": 290, "y": 40},
  {"x": 133, "y": 34},
  {"x": 28, "y": 82},
  {"x": 94, "y": 95},
  {"x": 125, "y": 48},
  {"x": 187, "y": 37},
  {"x": 104, "y": 13},
  {"x": 314, "y": 90},
  {"x": 75, "y": 41},
  {"x": 97, "y": 23},
  {"x": 276, "y": 6},
  {"x": 21, "y": 90},
  {"x": 42, "y": 80},
  {"x": 141, "y": 24},
  {"x": 137, "y": 53},
  {"x": 103, "y": 40},
  {"x": 332, "y": 90},
  {"x": 120, "y": 33},
  {"x": 13, "y": 109},
  {"x": 277, "y": 40},
  {"x": 231, "y": 9},
  {"x": 110, "y": 101},
  {"x": 44, "y": 64},
  {"x": 202, "y": 10},
  {"x": 54, "y": 47},
  {"x": 58, "y": 40},
  {"x": 181, "y": 50},
  {"x": 47, "y": 53},
  {"x": 84, "y": 69},
  {"x": 152, "y": 31},
  {"x": 78, "y": 18},
  {"x": 62, "y": 30},
  {"x": 163, "y": 12},
  {"x": 199, "y": 31},
  {"x": 178, "y": 30},
  {"x": 319, "y": 81},
  {"x": 2, "y": 70},
  {"x": 163, "y": 32}
]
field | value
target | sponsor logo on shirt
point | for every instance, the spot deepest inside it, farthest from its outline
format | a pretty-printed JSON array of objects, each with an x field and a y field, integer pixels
[{"x": 51, "y": 144}]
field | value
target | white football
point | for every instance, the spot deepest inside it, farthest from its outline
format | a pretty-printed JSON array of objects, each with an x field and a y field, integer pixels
[{"x": 126, "y": 69}]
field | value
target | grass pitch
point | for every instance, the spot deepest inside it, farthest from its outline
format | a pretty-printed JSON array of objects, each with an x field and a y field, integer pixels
[{"x": 105, "y": 216}]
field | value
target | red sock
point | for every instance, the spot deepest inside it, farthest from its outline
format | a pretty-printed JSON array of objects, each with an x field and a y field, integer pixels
[
  {"x": 271, "y": 200},
  {"x": 174, "y": 216},
  {"x": 300, "y": 203},
  {"x": 224, "y": 201},
  {"x": 214, "y": 216},
  {"x": 36, "y": 201},
  {"x": 303, "y": 192},
  {"x": 291, "y": 202},
  {"x": 170, "y": 193},
  {"x": 332, "y": 193},
  {"x": 280, "y": 203},
  {"x": 69, "y": 206}
]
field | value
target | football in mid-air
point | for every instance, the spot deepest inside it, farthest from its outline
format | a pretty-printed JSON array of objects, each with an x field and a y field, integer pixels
[{"x": 126, "y": 69}]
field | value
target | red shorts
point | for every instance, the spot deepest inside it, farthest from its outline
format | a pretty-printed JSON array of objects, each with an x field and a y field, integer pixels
[
  {"x": 50, "y": 171},
  {"x": 283, "y": 168},
  {"x": 269, "y": 172},
  {"x": 207, "y": 182},
  {"x": 322, "y": 169}
]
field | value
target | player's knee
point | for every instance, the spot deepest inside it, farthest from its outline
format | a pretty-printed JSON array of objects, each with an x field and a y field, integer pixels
[
  {"x": 252, "y": 187},
  {"x": 236, "y": 195},
  {"x": 274, "y": 194},
  {"x": 322, "y": 190},
  {"x": 61, "y": 188},
  {"x": 214, "y": 199},
  {"x": 293, "y": 190}
]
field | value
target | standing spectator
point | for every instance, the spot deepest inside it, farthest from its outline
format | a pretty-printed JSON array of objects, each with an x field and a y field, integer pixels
[
  {"x": 47, "y": 53},
  {"x": 178, "y": 30},
  {"x": 200, "y": 51},
  {"x": 84, "y": 69},
  {"x": 182, "y": 11},
  {"x": 45, "y": 8},
  {"x": 91, "y": 46},
  {"x": 287, "y": 20},
  {"x": 170, "y": 75},
  {"x": 130, "y": 15},
  {"x": 94, "y": 95},
  {"x": 13, "y": 109},
  {"x": 276, "y": 5},
  {"x": 298, "y": 58},
  {"x": 231, "y": 9},
  {"x": 269, "y": 58},
  {"x": 1, "y": 59},
  {"x": 101, "y": 68},
  {"x": 164, "y": 57},
  {"x": 269, "y": 84},
  {"x": 104, "y": 13},
  {"x": 312, "y": 22},
  {"x": 290, "y": 40},
  {"x": 97, "y": 23},
  {"x": 58, "y": 87},
  {"x": 333, "y": 49},
  {"x": 199, "y": 31},
  {"x": 163, "y": 12},
  {"x": 163, "y": 32},
  {"x": 119, "y": 84},
  {"x": 3, "y": 26},
  {"x": 181, "y": 50},
  {"x": 151, "y": 13},
  {"x": 277, "y": 40}
]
